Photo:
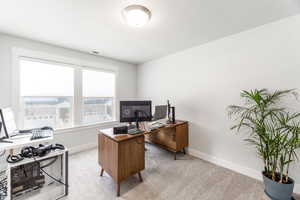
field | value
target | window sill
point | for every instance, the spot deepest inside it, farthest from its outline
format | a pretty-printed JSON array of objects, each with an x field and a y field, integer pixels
[{"x": 85, "y": 127}]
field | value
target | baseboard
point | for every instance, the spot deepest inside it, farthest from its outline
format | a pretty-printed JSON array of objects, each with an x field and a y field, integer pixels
[
  {"x": 233, "y": 166},
  {"x": 297, "y": 189},
  {"x": 82, "y": 147}
]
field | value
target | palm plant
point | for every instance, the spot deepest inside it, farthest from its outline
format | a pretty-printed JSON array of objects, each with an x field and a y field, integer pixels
[{"x": 271, "y": 128}]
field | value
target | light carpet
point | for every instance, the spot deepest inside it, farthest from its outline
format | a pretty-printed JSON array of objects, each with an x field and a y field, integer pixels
[{"x": 187, "y": 178}]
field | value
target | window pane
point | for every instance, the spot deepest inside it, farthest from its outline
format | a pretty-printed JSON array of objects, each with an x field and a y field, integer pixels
[
  {"x": 98, "y": 96},
  {"x": 46, "y": 94},
  {"x": 43, "y": 79},
  {"x": 98, "y": 84},
  {"x": 97, "y": 109},
  {"x": 55, "y": 112}
]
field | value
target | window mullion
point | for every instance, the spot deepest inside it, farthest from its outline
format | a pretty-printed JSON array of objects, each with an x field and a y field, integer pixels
[
  {"x": 77, "y": 97},
  {"x": 16, "y": 90}
]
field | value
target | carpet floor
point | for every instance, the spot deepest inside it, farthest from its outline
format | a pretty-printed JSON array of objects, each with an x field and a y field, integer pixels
[{"x": 187, "y": 178}]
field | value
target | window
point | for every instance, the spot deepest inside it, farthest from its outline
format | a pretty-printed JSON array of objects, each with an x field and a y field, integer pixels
[
  {"x": 48, "y": 95},
  {"x": 98, "y": 96}
]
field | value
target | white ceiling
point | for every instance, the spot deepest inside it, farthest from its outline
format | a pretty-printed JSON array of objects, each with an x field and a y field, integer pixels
[{"x": 175, "y": 25}]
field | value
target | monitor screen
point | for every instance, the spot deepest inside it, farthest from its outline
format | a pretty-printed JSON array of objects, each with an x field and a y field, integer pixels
[
  {"x": 131, "y": 110},
  {"x": 8, "y": 121},
  {"x": 160, "y": 112}
]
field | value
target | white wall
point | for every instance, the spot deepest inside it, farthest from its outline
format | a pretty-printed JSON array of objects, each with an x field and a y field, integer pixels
[
  {"x": 202, "y": 81},
  {"x": 74, "y": 139}
]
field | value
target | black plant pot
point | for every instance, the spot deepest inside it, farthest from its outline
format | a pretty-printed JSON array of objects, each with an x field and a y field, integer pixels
[{"x": 278, "y": 191}]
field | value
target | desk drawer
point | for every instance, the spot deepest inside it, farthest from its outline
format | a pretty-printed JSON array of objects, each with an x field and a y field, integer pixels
[
  {"x": 131, "y": 157},
  {"x": 182, "y": 136},
  {"x": 108, "y": 155},
  {"x": 164, "y": 137}
]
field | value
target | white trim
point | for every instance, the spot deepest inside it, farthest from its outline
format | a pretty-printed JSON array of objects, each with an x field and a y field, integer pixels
[
  {"x": 232, "y": 166},
  {"x": 20, "y": 52},
  {"x": 78, "y": 98},
  {"x": 116, "y": 114},
  {"x": 77, "y": 65},
  {"x": 83, "y": 147},
  {"x": 297, "y": 189},
  {"x": 15, "y": 86},
  {"x": 85, "y": 127}
]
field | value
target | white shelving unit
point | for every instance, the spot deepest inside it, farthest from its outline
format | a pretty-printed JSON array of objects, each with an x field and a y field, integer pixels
[{"x": 52, "y": 187}]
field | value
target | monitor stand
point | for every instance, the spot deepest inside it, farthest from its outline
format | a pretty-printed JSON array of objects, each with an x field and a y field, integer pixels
[
  {"x": 131, "y": 126},
  {"x": 136, "y": 125},
  {"x": 134, "y": 129},
  {"x": 137, "y": 119}
]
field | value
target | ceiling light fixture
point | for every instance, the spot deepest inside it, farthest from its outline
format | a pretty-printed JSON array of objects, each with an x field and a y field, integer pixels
[{"x": 136, "y": 15}]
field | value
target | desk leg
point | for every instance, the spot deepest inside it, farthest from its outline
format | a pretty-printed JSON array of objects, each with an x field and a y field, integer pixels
[
  {"x": 66, "y": 173},
  {"x": 118, "y": 189},
  {"x": 101, "y": 173},
  {"x": 183, "y": 150},
  {"x": 140, "y": 177},
  {"x": 175, "y": 155}
]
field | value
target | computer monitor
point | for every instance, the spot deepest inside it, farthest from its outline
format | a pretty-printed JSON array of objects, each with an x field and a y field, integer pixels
[
  {"x": 135, "y": 111},
  {"x": 160, "y": 112},
  {"x": 8, "y": 122}
]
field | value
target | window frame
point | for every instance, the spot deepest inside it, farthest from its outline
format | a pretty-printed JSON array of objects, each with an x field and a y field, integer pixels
[{"x": 78, "y": 65}]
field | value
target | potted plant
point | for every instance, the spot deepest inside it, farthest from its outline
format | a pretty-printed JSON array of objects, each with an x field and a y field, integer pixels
[{"x": 274, "y": 131}]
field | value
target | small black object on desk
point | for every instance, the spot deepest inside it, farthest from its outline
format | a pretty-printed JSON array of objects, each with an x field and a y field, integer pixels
[
  {"x": 171, "y": 110},
  {"x": 120, "y": 130},
  {"x": 173, "y": 115}
]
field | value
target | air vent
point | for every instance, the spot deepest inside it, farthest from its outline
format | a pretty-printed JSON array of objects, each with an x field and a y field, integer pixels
[{"x": 95, "y": 52}]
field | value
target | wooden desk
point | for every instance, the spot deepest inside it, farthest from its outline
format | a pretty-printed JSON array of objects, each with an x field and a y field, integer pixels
[
  {"x": 121, "y": 156},
  {"x": 172, "y": 137}
]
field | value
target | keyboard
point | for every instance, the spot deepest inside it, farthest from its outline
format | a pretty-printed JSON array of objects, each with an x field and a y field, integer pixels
[
  {"x": 156, "y": 125},
  {"x": 40, "y": 134},
  {"x": 135, "y": 131}
]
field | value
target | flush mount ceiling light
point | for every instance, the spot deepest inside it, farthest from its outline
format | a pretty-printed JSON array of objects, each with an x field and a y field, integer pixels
[{"x": 136, "y": 15}]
